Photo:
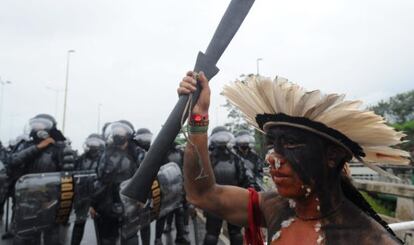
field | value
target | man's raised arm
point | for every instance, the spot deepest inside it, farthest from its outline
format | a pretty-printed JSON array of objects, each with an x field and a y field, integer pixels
[{"x": 228, "y": 202}]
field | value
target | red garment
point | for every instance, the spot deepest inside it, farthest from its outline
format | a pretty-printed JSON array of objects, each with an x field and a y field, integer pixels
[{"x": 253, "y": 234}]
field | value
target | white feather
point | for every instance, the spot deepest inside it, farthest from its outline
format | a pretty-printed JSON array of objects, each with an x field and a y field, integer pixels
[{"x": 258, "y": 95}]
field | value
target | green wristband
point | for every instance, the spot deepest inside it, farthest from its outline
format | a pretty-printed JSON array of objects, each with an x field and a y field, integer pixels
[{"x": 198, "y": 129}]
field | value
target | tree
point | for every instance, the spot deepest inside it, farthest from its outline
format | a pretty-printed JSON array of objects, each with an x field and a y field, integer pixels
[
  {"x": 397, "y": 109},
  {"x": 399, "y": 112},
  {"x": 408, "y": 129},
  {"x": 237, "y": 122}
]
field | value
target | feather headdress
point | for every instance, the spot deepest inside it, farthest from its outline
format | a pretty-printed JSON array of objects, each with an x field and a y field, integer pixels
[{"x": 363, "y": 134}]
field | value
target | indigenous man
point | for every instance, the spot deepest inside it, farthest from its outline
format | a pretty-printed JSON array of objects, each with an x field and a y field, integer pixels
[{"x": 311, "y": 137}]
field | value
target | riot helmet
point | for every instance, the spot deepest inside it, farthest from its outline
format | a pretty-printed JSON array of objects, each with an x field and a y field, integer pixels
[
  {"x": 243, "y": 141},
  {"x": 220, "y": 138},
  {"x": 40, "y": 126},
  {"x": 127, "y": 123},
  {"x": 94, "y": 143},
  {"x": 118, "y": 133},
  {"x": 143, "y": 137},
  {"x": 104, "y": 128},
  {"x": 15, "y": 141},
  {"x": 219, "y": 129}
]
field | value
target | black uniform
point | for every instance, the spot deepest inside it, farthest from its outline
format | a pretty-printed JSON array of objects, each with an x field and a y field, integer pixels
[
  {"x": 28, "y": 158},
  {"x": 3, "y": 152},
  {"x": 142, "y": 141},
  {"x": 3, "y": 178},
  {"x": 117, "y": 164},
  {"x": 228, "y": 170},
  {"x": 181, "y": 215},
  {"x": 253, "y": 165},
  {"x": 94, "y": 146}
]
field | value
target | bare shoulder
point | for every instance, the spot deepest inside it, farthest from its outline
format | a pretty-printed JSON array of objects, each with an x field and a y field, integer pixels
[
  {"x": 353, "y": 226},
  {"x": 273, "y": 207},
  {"x": 270, "y": 199}
]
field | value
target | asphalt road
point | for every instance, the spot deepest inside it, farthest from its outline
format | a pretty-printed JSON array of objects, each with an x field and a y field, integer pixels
[{"x": 90, "y": 239}]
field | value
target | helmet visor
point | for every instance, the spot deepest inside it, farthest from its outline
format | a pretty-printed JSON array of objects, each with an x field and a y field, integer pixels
[
  {"x": 244, "y": 140},
  {"x": 118, "y": 133},
  {"x": 144, "y": 138},
  {"x": 221, "y": 138},
  {"x": 94, "y": 142},
  {"x": 37, "y": 124}
]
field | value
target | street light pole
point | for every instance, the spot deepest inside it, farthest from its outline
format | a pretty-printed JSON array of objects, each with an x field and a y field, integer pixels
[
  {"x": 257, "y": 65},
  {"x": 57, "y": 91},
  {"x": 3, "y": 83},
  {"x": 66, "y": 89},
  {"x": 99, "y": 118}
]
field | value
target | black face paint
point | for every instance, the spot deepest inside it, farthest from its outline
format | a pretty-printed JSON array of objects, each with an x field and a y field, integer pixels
[
  {"x": 308, "y": 155},
  {"x": 304, "y": 151}
]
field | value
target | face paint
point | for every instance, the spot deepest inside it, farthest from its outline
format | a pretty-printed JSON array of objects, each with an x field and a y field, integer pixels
[{"x": 287, "y": 182}]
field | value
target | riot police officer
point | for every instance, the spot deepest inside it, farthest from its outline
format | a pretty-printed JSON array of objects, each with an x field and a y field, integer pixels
[
  {"x": 3, "y": 152},
  {"x": 3, "y": 178},
  {"x": 228, "y": 170},
  {"x": 93, "y": 148},
  {"x": 117, "y": 164},
  {"x": 142, "y": 139},
  {"x": 175, "y": 154},
  {"x": 46, "y": 151},
  {"x": 243, "y": 146}
]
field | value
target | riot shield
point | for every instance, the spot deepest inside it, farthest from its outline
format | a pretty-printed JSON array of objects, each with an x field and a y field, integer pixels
[
  {"x": 166, "y": 195},
  {"x": 37, "y": 200},
  {"x": 46, "y": 199}
]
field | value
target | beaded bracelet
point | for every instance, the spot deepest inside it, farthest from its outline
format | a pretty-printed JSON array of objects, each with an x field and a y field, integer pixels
[
  {"x": 198, "y": 129},
  {"x": 198, "y": 123},
  {"x": 198, "y": 120}
]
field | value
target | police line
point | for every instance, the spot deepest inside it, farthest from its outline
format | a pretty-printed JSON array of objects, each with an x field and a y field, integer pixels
[{"x": 46, "y": 199}]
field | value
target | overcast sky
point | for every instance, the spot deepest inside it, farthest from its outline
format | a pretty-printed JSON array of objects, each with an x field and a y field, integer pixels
[{"x": 130, "y": 55}]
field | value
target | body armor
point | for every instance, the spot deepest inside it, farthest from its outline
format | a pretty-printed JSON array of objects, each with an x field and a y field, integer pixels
[{"x": 225, "y": 172}]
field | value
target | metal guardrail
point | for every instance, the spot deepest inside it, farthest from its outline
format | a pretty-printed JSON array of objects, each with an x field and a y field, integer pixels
[
  {"x": 399, "y": 190},
  {"x": 403, "y": 192},
  {"x": 402, "y": 226}
]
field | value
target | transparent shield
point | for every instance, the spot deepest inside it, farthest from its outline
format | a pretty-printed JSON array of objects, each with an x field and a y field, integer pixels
[
  {"x": 37, "y": 197},
  {"x": 171, "y": 183},
  {"x": 167, "y": 195}
]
